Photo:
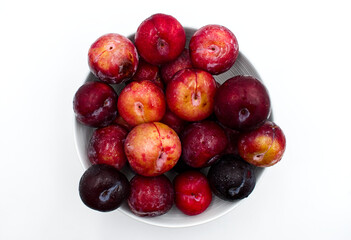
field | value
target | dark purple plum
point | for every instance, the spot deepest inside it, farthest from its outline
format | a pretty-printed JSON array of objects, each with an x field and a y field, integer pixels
[
  {"x": 95, "y": 104},
  {"x": 242, "y": 103},
  {"x": 103, "y": 188},
  {"x": 232, "y": 178}
]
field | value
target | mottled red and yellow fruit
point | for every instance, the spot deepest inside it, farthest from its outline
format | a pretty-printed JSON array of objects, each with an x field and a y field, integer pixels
[
  {"x": 264, "y": 146},
  {"x": 213, "y": 48},
  {"x": 190, "y": 95},
  {"x": 141, "y": 102},
  {"x": 152, "y": 148},
  {"x": 160, "y": 39},
  {"x": 106, "y": 146},
  {"x": 113, "y": 58}
]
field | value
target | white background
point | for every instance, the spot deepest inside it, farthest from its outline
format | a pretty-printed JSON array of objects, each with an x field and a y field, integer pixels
[{"x": 301, "y": 50}]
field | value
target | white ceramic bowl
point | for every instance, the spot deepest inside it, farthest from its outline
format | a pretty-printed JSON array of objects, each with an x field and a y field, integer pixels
[{"x": 173, "y": 218}]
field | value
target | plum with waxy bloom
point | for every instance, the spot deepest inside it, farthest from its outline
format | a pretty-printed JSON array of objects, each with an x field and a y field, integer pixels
[
  {"x": 95, "y": 104},
  {"x": 113, "y": 58},
  {"x": 213, "y": 48}
]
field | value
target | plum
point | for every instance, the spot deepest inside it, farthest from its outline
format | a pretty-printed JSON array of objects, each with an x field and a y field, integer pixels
[
  {"x": 242, "y": 103},
  {"x": 150, "y": 196},
  {"x": 173, "y": 121},
  {"x": 192, "y": 192},
  {"x": 232, "y": 178},
  {"x": 152, "y": 148},
  {"x": 213, "y": 48},
  {"x": 168, "y": 70},
  {"x": 107, "y": 146},
  {"x": 264, "y": 146},
  {"x": 95, "y": 104},
  {"x": 190, "y": 95},
  {"x": 147, "y": 71},
  {"x": 202, "y": 143},
  {"x": 160, "y": 39},
  {"x": 103, "y": 188},
  {"x": 113, "y": 58},
  {"x": 141, "y": 102}
]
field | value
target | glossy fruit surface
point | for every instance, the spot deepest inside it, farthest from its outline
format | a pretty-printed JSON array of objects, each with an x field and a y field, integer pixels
[
  {"x": 160, "y": 39},
  {"x": 103, "y": 188},
  {"x": 152, "y": 148},
  {"x": 147, "y": 71},
  {"x": 113, "y": 58},
  {"x": 107, "y": 146},
  {"x": 168, "y": 70},
  {"x": 150, "y": 196},
  {"x": 213, "y": 48},
  {"x": 232, "y": 178},
  {"x": 192, "y": 192},
  {"x": 202, "y": 143},
  {"x": 95, "y": 104},
  {"x": 190, "y": 94},
  {"x": 264, "y": 146},
  {"x": 141, "y": 102},
  {"x": 242, "y": 103}
]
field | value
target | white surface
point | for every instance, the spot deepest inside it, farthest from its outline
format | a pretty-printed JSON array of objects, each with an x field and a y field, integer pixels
[{"x": 302, "y": 52}]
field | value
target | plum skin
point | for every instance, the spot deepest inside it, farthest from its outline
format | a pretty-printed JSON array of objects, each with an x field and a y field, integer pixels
[
  {"x": 113, "y": 58},
  {"x": 147, "y": 71},
  {"x": 168, "y": 70},
  {"x": 95, "y": 104},
  {"x": 140, "y": 102},
  {"x": 232, "y": 178},
  {"x": 160, "y": 39},
  {"x": 152, "y": 148},
  {"x": 190, "y": 95},
  {"x": 213, "y": 48},
  {"x": 202, "y": 143},
  {"x": 242, "y": 103},
  {"x": 103, "y": 188},
  {"x": 107, "y": 146},
  {"x": 264, "y": 146},
  {"x": 192, "y": 192},
  {"x": 150, "y": 196}
]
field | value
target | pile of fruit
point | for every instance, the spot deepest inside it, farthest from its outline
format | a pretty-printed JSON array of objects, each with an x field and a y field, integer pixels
[{"x": 171, "y": 115}]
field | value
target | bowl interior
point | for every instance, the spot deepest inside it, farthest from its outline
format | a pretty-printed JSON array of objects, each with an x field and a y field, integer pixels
[{"x": 174, "y": 218}]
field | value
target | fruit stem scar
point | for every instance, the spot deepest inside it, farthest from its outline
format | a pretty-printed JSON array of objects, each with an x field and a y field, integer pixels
[{"x": 138, "y": 106}]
